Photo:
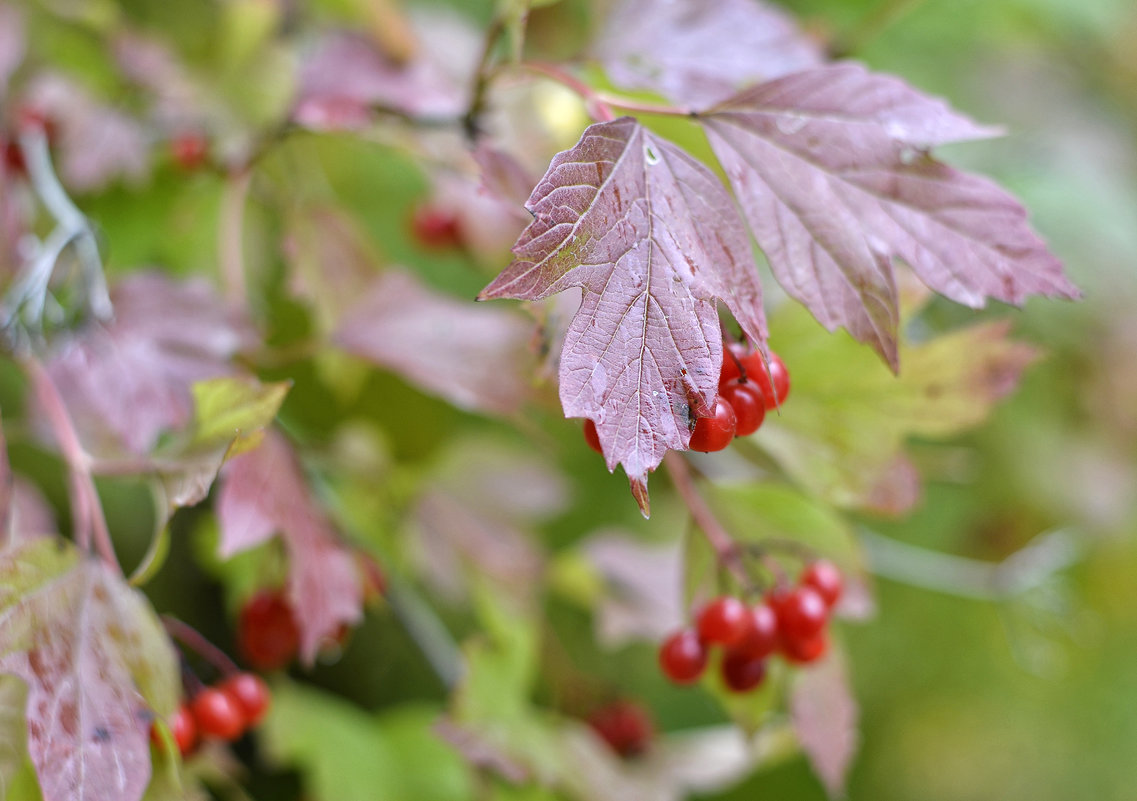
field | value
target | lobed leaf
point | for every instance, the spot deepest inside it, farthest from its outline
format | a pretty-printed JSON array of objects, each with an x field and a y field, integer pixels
[
  {"x": 832, "y": 170},
  {"x": 97, "y": 666},
  {"x": 825, "y": 716},
  {"x": 695, "y": 52},
  {"x": 653, "y": 240}
]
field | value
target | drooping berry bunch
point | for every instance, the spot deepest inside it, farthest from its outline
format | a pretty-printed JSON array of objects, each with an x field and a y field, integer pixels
[
  {"x": 223, "y": 712},
  {"x": 746, "y": 392},
  {"x": 787, "y": 621}
]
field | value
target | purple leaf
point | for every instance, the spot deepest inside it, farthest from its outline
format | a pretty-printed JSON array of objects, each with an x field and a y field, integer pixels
[
  {"x": 831, "y": 168},
  {"x": 825, "y": 715},
  {"x": 644, "y": 588},
  {"x": 503, "y": 175},
  {"x": 97, "y": 665},
  {"x": 97, "y": 144},
  {"x": 264, "y": 493},
  {"x": 12, "y": 43},
  {"x": 127, "y": 383},
  {"x": 697, "y": 53},
  {"x": 653, "y": 239},
  {"x": 474, "y": 357}
]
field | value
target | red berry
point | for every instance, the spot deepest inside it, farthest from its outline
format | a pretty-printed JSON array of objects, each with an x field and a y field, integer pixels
[
  {"x": 436, "y": 228},
  {"x": 182, "y": 728},
  {"x": 625, "y": 726},
  {"x": 724, "y": 621},
  {"x": 715, "y": 432},
  {"x": 775, "y": 392},
  {"x": 823, "y": 576},
  {"x": 218, "y": 715},
  {"x": 802, "y": 614},
  {"x": 761, "y": 638},
  {"x": 742, "y": 673},
  {"x": 267, "y": 632},
  {"x": 732, "y": 367},
  {"x": 749, "y": 405},
  {"x": 14, "y": 158},
  {"x": 189, "y": 150},
  {"x": 251, "y": 694},
  {"x": 592, "y": 437},
  {"x": 682, "y": 657},
  {"x": 805, "y": 651}
]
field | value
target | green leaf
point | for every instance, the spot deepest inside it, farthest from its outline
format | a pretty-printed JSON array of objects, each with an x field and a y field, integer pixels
[
  {"x": 234, "y": 410},
  {"x": 848, "y": 417}
]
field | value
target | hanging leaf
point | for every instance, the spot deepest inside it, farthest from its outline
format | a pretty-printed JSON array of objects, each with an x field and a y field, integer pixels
[
  {"x": 653, "y": 240},
  {"x": 825, "y": 717},
  {"x": 831, "y": 167},
  {"x": 97, "y": 665}
]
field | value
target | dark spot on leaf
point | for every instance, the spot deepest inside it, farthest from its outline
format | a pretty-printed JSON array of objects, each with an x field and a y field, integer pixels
[{"x": 101, "y": 734}]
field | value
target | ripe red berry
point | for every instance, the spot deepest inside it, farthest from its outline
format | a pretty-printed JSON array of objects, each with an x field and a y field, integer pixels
[
  {"x": 761, "y": 638},
  {"x": 775, "y": 386},
  {"x": 682, "y": 657},
  {"x": 189, "y": 150},
  {"x": 749, "y": 405},
  {"x": 742, "y": 673},
  {"x": 715, "y": 432},
  {"x": 823, "y": 576},
  {"x": 182, "y": 728},
  {"x": 266, "y": 631},
  {"x": 251, "y": 694},
  {"x": 807, "y": 650},
  {"x": 436, "y": 228},
  {"x": 14, "y": 163},
  {"x": 625, "y": 726},
  {"x": 724, "y": 621},
  {"x": 592, "y": 437},
  {"x": 802, "y": 614},
  {"x": 732, "y": 365},
  {"x": 218, "y": 715}
]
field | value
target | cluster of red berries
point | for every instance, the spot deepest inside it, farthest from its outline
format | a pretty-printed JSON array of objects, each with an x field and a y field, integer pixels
[
  {"x": 791, "y": 622},
  {"x": 746, "y": 392},
  {"x": 625, "y": 726},
  {"x": 224, "y": 712}
]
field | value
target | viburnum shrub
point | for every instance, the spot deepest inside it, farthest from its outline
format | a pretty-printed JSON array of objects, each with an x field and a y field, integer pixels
[{"x": 323, "y": 431}]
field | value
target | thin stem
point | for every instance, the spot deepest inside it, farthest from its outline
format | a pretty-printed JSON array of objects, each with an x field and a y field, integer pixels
[
  {"x": 630, "y": 104},
  {"x": 86, "y": 509},
  {"x": 196, "y": 641},
  {"x": 726, "y": 550},
  {"x": 471, "y": 122},
  {"x": 1020, "y": 572},
  {"x": 597, "y": 108},
  {"x": 231, "y": 257}
]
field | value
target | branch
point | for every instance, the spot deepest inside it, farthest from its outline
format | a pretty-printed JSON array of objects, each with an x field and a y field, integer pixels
[
  {"x": 1020, "y": 572},
  {"x": 195, "y": 640}
]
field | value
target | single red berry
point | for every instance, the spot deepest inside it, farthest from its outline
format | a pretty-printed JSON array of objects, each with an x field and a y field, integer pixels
[
  {"x": 724, "y": 621},
  {"x": 749, "y": 405},
  {"x": 436, "y": 228},
  {"x": 805, "y": 651},
  {"x": 715, "y": 432},
  {"x": 182, "y": 728},
  {"x": 682, "y": 657},
  {"x": 14, "y": 158},
  {"x": 189, "y": 150},
  {"x": 802, "y": 614},
  {"x": 742, "y": 673},
  {"x": 251, "y": 694},
  {"x": 775, "y": 386},
  {"x": 218, "y": 715},
  {"x": 266, "y": 631},
  {"x": 732, "y": 365},
  {"x": 592, "y": 437},
  {"x": 761, "y": 638},
  {"x": 823, "y": 576},
  {"x": 625, "y": 726}
]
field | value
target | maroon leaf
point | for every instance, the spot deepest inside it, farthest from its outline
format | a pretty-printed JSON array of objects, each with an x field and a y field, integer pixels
[
  {"x": 831, "y": 168},
  {"x": 97, "y": 143},
  {"x": 644, "y": 588},
  {"x": 653, "y": 240},
  {"x": 263, "y": 493},
  {"x": 97, "y": 666},
  {"x": 697, "y": 53},
  {"x": 503, "y": 175},
  {"x": 127, "y": 383},
  {"x": 476, "y": 358},
  {"x": 825, "y": 717}
]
